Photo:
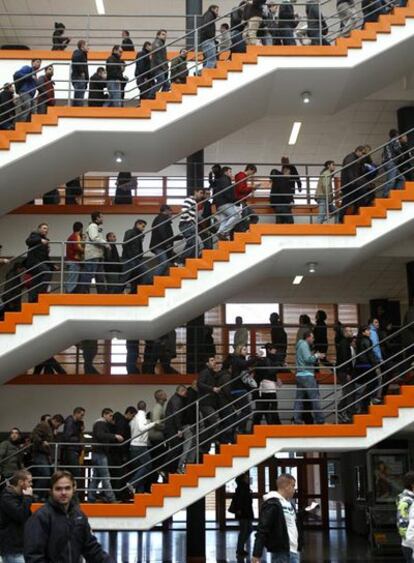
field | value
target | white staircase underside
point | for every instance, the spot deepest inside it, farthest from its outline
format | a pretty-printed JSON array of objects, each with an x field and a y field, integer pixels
[
  {"x": 273, "y": 85},
  {"x": 66, "y": 325}
]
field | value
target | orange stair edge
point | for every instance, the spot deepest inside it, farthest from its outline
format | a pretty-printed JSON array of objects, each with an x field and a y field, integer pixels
[
  {"x": 172, "y": 489},
  {"x": 193, "y": 266},
  {"x": 383, "y": 25}
]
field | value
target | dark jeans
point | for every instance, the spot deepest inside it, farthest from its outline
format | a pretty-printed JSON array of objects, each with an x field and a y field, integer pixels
[
  {"x": 286, "y": 37},
  {"x": 132, "y": 357},
  {"x": 141, "y": 464},
  {"x": 93, "y": 268},
  {"x": 71, "y": 460},
  {"x": 100, "y": 475},
  {"x": 161, "y": 81},
  {"x": 242, "y": 410},
  {"x": 79, "y": 87},
  {"x": 49, "y": 367},
  {"x": 246, "y": 528},
  {"x": 407, "y": 553},
  {"x": 283, "y": 214},
  {"x": 175, "y": 449},
  {"x": 89, "y": 351},
  {"x": 42, "y": 475},
  {"x": 211, "y": 421},
  {"x": 41, "y": 277},
  {"x": 315, "y": 37},
  {"x": 268, "y": 403}
]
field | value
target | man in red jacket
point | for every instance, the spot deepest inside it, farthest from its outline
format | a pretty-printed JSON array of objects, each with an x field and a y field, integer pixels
[
  {"x": 46, "y": 90},
  {"x": 244, "y": 186}
]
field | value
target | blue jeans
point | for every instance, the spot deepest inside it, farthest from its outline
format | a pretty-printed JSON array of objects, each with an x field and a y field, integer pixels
[
  {"x": 93, "y": 268},
  {"x": 210, "y": 53},
  {"x": 394, "y": 179},
  {"x": 163, "y": 262},
  {"x": 141, "y": 462},
  {"x": 246, "y": 528},
  {"x": 161, "y": 81},
  {"x": 189, "y": 231},
  {"x": 114, "y": 89},
  {"x": 79, "y": 87},
  {"x": 284, "y": 557},
  {"x": 307, "y": 398},
  {"x": 238, "y": 44},
  {"x": 286, "y": 36},
  {"x": 72, "y": 271},
  {"x": 13, "y": 558},
  {"x": 228, "y": 216},
  {"x": 26, "y": 107},
  {"x": 322, "y": 217},
  {"x": 100, "y": 475}
]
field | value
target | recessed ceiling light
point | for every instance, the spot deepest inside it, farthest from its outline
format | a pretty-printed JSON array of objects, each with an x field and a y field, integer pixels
[
  {"x": 306, "y": 97},
  {"x": 119, "y": 157},
  {"x": 100, "y": 7},
  {"x": 297, "y": 280},
  {"x": 295, "y": 132},
  {"x": 312, "y": 267}
]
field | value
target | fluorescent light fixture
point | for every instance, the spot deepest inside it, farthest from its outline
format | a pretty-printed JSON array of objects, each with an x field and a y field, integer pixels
[
  {"x": 100, "y": 7},
  {"x": 295, "y": 132},
  {"x": 297, "y": 280}
]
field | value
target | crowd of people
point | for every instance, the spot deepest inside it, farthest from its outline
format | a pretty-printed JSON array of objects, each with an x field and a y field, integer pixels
[{"x": 253, "y": 22}]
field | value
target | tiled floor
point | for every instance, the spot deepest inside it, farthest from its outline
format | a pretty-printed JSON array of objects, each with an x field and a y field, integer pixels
[{"x": 170, "y": 547}]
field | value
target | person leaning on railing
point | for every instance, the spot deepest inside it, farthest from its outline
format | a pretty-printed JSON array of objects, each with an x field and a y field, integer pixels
[{"x": 26, "y": 84}]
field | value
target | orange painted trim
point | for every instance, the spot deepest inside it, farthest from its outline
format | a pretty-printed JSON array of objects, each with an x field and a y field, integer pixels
[
  {"x": 323, "y": 377},
  {"x": 229, "y": 452},
  {"x": 221, "y": 254},
  {"x": 237, "y": 63}
]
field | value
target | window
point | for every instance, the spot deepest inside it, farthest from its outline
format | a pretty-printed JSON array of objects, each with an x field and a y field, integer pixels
[{"x": 251, "y": 313}]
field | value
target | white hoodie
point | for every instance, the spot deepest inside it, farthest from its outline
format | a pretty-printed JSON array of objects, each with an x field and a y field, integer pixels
[
  {"x": 290, "y": 517},
  {"x": 139, "y": 424}
]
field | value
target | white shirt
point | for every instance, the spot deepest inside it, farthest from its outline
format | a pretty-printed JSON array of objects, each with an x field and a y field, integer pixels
[
  {"x": 139, "y": 424},
  {"x": 290, "y": 517},
  {"x": 409, "y": 538}
]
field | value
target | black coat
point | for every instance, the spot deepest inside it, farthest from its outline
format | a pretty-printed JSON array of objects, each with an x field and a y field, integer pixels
[
  {"x": 115, "y": 68},
  {"x": 96, "y": 95},
  {"x": 72, "y": 432},
  {"x": 55, "y": 536},
  {"x": 80, "y": 70},
  {"x": 112, "y": 255},
  {"x": 162, "y": 233},
  {"x": 344, "y": 355},
  {"x": 283, "y": 189},
  {"x": 320, "y": 333},
  {"x": 208, "y": 31},
  {"x": 143, "y": 69},
  {"x": 237, "y": 364},
  {"x": 14, "y": 513},
  {"x": 133, "y": 248},
  {"x": 205, "y": 383},
  {"x": 223, "y": 184},
  {"x": 37, "y": 252},
  {"x": 255, "y": 9},
  {"x": 279, "y": 337},
  {"x": 103, "y": 433},
  {"x": 176, "y": 422},
  {"x": 364, "y": 347},
  {"x": 287, "y": 19},
  {"x": 7, "y": 107},
  {"x": 121, "y": 427},
  {"x": 272, "y": 531},
  {"x": 351, "y": 174},
  {"x": 243, "y": 501}
]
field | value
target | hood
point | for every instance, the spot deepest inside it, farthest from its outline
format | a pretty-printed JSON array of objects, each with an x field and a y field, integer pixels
[
  {"x": 404, "y": 494},
  {"x": 273, "y": 494}
]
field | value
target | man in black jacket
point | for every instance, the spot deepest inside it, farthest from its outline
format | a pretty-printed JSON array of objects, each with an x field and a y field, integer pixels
[
  {"x": 73, "y": 429},
  {"x": 97, "y": 85},
  {"x": 132, "y": 255},
  {"x": 162, "y": 240},
  {"x": 208, "y": 391},
  {"x": 80, "y": 72},
  {"x": 112, "y": 266},
  {"x": 115, "y": 76},
  {"x": 345, "y": 361},
  {"x": 159, "y": 63},
  {"x": 143, "y": 72},
  {"x": 282, "y": 195},
  {"x": 43, "y": 436},
  {"x": 228, "y": 214},
  {"x": 351, "y": 181},
  {"x": 174, "y": 424},
  {"x": 38, "y": 262},
  {"x": 103, "y": 435},
  {"x": 15, "y": 503},
  {"x": 7, "y": 107},
  {"x": 120, "y": 455},
  {"x": 208, "y": 36},
  {"x": 60, "y": 531},
  {"x": 278, "y": 528}
]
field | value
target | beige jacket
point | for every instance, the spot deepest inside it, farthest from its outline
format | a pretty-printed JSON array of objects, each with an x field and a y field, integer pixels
[{"x": 324, "y": 187}]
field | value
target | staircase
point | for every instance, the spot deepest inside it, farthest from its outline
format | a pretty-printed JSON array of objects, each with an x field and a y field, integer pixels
[{"x": 173, "y": 125}]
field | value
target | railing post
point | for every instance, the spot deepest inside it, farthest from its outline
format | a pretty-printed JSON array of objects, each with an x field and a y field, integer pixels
[
  {"x": 197, "y": 441},
  {"x": 62, "y": 267},
  {"x": 56, "y": 458},
  {"x": 320, "y": 23},
  {"x": 196, "y": 44},
  {"x": 335, "y": 395},
  {"x": 196, "y": 233},
  {"x": 327, "y": 201}
]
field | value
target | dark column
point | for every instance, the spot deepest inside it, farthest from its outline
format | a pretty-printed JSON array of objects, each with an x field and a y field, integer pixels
[
  {"x": 195, "y": 353},
  {"x": 405, "y": 118},
  {"x": 192, "y": 8},
  {"x": 410, "y": 282},
  {"x": 196, "y": 532},
  {"x": 195, "y": 171}
]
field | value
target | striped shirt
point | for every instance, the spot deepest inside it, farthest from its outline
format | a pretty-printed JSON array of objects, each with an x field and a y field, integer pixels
[{"x": 189, "y": 210}]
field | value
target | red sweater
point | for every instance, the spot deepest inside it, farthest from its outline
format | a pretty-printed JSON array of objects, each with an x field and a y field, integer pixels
[{"x": 242, "y": 189}]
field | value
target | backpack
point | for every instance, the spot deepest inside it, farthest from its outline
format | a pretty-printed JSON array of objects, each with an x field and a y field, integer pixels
[{"x": 17, "y": 82}]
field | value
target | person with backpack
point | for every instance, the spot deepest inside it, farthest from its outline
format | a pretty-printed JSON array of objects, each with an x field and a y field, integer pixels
[
  {"x": 242, "y": 508},
  {"x": 405, "y": 515},
  {"x": 278, "y": 529},
  {"x": 26, "y": 85}
]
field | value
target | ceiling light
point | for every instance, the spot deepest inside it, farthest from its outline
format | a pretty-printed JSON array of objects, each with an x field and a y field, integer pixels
[
  {"x": 297, "y": 280},
  {"x": 100, "y": 7},
  {"x": 119, "y": 157},
  {"x": 295, "y": 132},
  {"x": 306, "y": 97},
  {"x": 312, "y": 267}
]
